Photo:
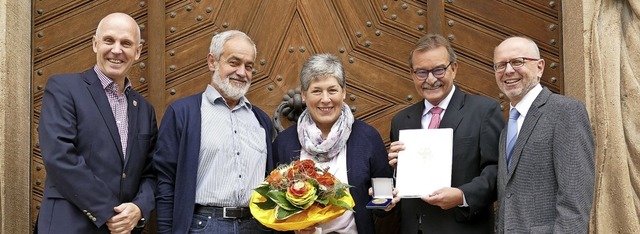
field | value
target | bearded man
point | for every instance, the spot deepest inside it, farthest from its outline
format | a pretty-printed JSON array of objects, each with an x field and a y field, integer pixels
[{"x": 214, "y": 148}]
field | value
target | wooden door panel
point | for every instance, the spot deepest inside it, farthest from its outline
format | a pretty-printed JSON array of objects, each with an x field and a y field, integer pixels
[
  {"x": 321, "y": 22},
  {"x": 185, "y": 58},
  {"x": 184, "y": 18},
  {"x": 197, "y": 83},
  {"x": 508, "y": 17},
  {"x": 280, "y": 73},
  {"x": 270, "y": 28},
  {"x": 75, "y": 59},
  {"x": 369, "y": 33},
  {"x": 406, "y": 17},
  {"x": 478, "y": 27}
]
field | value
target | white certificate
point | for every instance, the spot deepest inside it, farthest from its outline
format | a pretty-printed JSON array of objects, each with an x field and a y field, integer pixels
[{"x": 425, "y": 164}]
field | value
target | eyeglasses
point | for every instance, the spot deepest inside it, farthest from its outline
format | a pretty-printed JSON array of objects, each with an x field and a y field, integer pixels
[
  {"x": 515, "y": 63},
  {"x": 438, "y": 72}
]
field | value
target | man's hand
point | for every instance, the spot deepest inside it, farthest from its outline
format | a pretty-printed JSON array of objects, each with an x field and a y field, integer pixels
[
  {"x": 445, "y": 198},
  {"x": 394, "y": 148},
  {"x": 126, "y": 218}
]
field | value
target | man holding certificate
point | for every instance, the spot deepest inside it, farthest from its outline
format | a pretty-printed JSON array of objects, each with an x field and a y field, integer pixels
[{"x": 473, "y": 124}]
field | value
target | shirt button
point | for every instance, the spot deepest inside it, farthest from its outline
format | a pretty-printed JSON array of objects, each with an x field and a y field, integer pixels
[
  {"x": 124, "y": 175},
  {"x": 238, "y": 153}
]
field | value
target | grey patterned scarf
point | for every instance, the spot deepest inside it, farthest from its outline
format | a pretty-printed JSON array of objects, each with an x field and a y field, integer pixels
[{"x": 311, "y": 139}]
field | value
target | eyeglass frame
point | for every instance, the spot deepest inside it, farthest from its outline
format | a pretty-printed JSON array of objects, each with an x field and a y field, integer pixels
[
  {"x": 510, "y": 62},
  {"x": 444, "y": 73}
]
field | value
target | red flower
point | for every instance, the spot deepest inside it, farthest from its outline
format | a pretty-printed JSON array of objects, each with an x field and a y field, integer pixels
[
  {"x": 307, "y": 167},
  {"x": 290, "y": 173},
  {"x": 326, "y": 179},
  {"x": 298, "y": 188},
  {"x": 275, "y": 177}
]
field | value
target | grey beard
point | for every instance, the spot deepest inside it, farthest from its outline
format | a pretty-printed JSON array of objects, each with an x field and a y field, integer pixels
[{"x": 229, "y": 90}]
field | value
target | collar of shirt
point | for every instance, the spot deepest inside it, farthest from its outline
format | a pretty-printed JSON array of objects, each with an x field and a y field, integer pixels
[
  {"x": 443, "y": 104},
  {"x": 107, "y": 83},
  {"x": 526, "y": 102},
  {"x": 213, "y": 95}
]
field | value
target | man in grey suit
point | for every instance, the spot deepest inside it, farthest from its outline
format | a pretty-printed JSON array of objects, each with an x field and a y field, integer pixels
[{"x": 545, "y": 182}]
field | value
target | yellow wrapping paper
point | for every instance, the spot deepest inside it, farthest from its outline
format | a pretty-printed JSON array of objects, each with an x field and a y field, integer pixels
[{"x": 312, "y": 215}]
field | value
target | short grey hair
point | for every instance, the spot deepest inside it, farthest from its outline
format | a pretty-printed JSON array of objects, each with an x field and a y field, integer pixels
[
  {"x": 217, "y": 42},
  {"x": 430, "y": 42},
  {"x": 320, "y": 66}
]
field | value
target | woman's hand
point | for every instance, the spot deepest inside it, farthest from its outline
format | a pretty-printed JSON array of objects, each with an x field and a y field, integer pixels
[
  {"x": 308, "y": 230},
  {"x": 394, "y": 201}
]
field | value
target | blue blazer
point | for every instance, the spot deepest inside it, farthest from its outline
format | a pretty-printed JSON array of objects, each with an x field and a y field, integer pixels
[
  {"x": 476, "y": 122},
  {"x": 87, "y": 175},
  {"x": 366, "y": 159},
  {"x": 176, "y": 161}
]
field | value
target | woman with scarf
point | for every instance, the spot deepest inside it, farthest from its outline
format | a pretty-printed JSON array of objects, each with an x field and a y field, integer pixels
[{"x": 328, "y": 134}]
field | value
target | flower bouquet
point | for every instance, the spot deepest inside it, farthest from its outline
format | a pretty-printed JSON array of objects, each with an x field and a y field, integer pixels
[{"x": 298, "y": 195}]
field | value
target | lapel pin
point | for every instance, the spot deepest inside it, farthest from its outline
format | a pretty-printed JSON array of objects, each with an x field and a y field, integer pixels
[{"x": 135, "y": 103}]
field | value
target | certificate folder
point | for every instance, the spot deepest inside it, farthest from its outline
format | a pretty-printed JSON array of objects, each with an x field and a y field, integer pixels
[{"x": 425, "y": 164}]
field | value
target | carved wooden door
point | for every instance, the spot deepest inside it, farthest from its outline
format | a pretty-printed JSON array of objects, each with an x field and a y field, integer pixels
[{"x": 371, "y": 37}]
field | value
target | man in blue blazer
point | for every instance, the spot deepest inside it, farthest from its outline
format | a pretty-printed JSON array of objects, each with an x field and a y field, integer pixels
[
  {"x": 97, "y": 135},
  {"x": 214, "y": 148},
  {"x": 545, "y": 182},
  {"x": 466, "y": 206}
]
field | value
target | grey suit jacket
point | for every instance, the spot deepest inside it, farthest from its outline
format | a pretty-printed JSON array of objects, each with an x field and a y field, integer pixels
[
  {"x": 476, "y": 122},
  {"x": 549, "y": 187}
]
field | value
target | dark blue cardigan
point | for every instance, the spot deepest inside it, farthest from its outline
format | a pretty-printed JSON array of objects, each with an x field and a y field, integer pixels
[
  {"x": 176, "y": 162},
  {"x": 366, "y": 159}
]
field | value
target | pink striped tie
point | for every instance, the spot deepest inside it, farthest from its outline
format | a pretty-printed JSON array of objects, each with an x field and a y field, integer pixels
[{"x": 435, "y": 117}]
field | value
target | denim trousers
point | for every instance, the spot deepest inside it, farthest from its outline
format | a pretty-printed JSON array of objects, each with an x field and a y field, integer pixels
[{"x": 209, "y": 224}]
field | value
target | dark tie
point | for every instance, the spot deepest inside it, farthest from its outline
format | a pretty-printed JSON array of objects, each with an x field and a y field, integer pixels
[
  {"x": 435, "y": 117},
  {"x": 512, "y": 133}
]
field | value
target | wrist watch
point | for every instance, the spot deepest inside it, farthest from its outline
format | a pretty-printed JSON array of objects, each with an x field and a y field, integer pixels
[{"x": 141, "y": 223}]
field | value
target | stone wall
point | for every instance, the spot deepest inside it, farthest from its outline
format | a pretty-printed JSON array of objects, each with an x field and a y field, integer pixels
[{"x": 15, "y": 109}]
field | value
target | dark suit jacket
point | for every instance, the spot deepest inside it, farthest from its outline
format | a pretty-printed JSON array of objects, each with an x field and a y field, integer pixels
[
  {"x": 549, "y": 188},
  {"x": 476, "y": 122},
  {"x": 176, "y": 161},
  {"x": 86, "y": 173},
  {"x": 366, "y": 159}
]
